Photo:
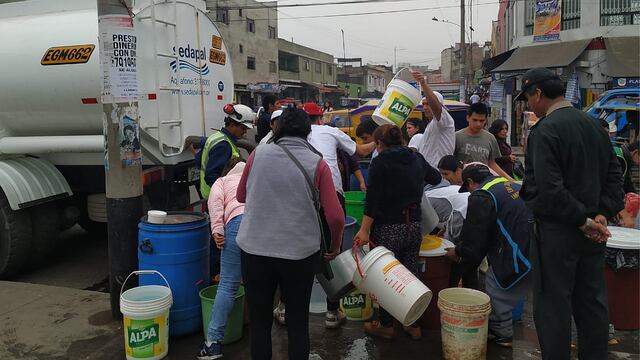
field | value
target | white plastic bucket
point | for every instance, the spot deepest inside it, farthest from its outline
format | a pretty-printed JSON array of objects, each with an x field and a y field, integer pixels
[
  {"x": 464, "y": 315},
  {"x": 393, "y": 286},
  {"x": 156, "y": 216},
  {"x": 318, "y": 301},
  {"x": 145, "y": 311},
  {"x": 398, "y": 102}
]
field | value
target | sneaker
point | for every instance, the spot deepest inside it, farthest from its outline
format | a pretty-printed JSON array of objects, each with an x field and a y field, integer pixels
[
  {"x": 414, "y": 332},
  {"x": 278, "y": 314},
  {"x": 374, "y": 328},
  {"x": 214, "y": 351},
  {"x": 333, "y": 319},
  {"x": 506, "y": 342}
]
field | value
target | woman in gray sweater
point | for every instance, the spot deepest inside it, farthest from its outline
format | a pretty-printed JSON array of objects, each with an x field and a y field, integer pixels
[{"x": 280, "y": 232}]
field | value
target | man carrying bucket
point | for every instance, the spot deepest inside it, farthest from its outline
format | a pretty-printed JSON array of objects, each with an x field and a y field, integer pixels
[
  {"x": 439, "y": 138},
  {"x": 497, "y": 226}
]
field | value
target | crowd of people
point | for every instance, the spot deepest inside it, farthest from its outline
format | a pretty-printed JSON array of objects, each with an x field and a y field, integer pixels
[{"x": 279, "y": 217}]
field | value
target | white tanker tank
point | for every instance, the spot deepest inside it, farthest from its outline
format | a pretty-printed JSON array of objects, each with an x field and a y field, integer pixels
[{"x": 51, "y": 129}]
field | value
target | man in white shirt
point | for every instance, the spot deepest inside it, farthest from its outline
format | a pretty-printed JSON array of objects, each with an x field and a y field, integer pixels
[
  {"x": 439, "y": 137},
  {"x": 327, "y": 139}
]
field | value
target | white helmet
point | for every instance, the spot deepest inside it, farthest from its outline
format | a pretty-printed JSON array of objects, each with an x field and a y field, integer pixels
[{"x": 240, "y": 113}]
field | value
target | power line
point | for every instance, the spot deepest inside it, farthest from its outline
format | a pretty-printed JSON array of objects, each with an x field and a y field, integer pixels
[
  {"x": 355, "y": 2},
  {"x": 373, "y": 12}
]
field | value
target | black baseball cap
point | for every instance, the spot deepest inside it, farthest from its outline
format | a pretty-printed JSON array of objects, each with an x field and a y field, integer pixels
[
  {"x": 476, "y": 172},
  {"x": 533, "y": 77}
]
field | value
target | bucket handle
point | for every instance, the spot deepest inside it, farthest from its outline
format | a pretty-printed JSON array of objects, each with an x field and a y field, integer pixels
[
  {"x": 355, "y": 256},
  {"x": 144, "y": 272}
]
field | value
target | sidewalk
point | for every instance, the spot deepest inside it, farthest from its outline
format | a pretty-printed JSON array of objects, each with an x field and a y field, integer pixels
[{"x": 39, "y": 322}]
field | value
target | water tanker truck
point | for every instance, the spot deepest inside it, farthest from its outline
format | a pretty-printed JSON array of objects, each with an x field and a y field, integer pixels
[{"x": 52, "y": 153}]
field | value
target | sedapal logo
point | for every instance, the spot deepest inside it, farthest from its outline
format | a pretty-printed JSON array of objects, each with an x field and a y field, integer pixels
[
  {"x": 143, "y": 336},
  {"x": 192, "y": 54}
]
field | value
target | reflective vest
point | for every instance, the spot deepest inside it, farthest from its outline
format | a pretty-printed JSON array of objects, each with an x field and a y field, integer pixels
[
  {"x": 509, "y": 258},
  {"x": 212, "y": 141}
]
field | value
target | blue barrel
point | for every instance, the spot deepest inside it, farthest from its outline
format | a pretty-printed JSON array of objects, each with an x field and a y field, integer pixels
[{"x": 179, "y": 249}]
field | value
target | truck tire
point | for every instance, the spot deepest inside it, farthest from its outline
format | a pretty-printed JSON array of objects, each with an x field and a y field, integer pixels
[
  {"x": 45, "y": 230},
  {"x": 15, "y": 238}
]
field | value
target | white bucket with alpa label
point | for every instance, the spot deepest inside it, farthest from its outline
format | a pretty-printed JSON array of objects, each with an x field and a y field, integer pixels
[
  {"x": 398, "y": 101},
  {"x": 145, "y": 311},
  {"x": 393, "y": 286}
]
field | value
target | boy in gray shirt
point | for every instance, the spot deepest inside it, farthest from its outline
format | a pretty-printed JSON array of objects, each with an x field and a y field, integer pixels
[{"x": 475, "y": 144}]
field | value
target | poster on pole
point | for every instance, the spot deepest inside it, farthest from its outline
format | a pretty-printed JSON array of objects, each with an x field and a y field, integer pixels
[
  {"x": 548, "y": 16},
  {"x": 129, "y": 134},
  {"x": 118, "y": 48}
]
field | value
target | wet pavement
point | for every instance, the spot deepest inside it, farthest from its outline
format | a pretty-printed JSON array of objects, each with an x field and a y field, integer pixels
[{"x": 39, "y": 322}]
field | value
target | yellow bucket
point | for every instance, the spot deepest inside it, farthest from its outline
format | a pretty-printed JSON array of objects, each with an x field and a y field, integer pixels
[{"x": 430, "y": 242}]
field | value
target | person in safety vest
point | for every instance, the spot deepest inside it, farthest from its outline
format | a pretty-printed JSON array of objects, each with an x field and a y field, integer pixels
[
  {"x": 220, "y": 147},
  {"x": 497, "y": 226}
]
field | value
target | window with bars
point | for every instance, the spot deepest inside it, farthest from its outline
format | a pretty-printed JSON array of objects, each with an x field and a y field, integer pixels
[
  {"x": 318, "y": 67},
  {"x": 529, "y": 16},
  {"x": 251, "y": 25},
  {"x": 222, "y": 15},
  {"x": 329, "y": 69},
  {"x": 619, "y": 12},
  {"x": 272, "y": 32},
  {"x": 570, "y": 14},
  {"x": 251, "y": 63}
]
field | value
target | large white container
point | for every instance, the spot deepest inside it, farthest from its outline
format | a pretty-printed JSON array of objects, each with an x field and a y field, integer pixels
[{"x": 58, "y": 100}]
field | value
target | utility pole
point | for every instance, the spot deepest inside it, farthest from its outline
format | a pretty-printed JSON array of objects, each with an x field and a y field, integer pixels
[
  {"x": 123, "y": 168},
  {"x": 463, "y": 56},
  {"x": 344, "y": 65},
  {"x": 395, "y": 59}
]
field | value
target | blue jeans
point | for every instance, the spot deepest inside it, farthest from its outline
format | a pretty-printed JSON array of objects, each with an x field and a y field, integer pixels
[{"x": 230, "y": 273}]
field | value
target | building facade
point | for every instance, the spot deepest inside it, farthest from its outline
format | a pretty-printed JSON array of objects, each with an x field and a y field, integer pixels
[
  {"x": 450, "y": 61},
  {"x": 306, "y": 74},
  {"x": 250, "y": 29},
  {"x": 597, "y": 48}
]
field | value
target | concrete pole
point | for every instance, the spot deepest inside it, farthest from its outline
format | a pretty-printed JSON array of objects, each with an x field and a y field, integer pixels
[
  {"x": 123, "y": 183},
  {"x": 463, "y": 56}
]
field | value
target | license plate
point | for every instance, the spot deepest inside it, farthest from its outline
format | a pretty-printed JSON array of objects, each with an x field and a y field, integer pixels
[{"x": 193, "y": 174}]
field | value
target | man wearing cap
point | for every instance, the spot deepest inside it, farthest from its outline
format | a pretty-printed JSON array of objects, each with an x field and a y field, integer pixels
[
  {"x": 496, "y": 226},
  {"x": 273, "y": 122},
  {"x": 220, "y": 146},
  {"x": 573, "y": 186},
  {"x": 439, "y": 138}
]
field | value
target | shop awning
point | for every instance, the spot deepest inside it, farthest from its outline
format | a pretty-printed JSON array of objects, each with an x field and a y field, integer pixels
[
  {"x": 491, "y": 63},
  {"x": 551, "y": 55},
  {"x": 622, "y": 57}
]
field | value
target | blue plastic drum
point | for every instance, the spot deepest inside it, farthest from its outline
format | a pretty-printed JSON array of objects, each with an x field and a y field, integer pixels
[{"x": 179, "y": 249}]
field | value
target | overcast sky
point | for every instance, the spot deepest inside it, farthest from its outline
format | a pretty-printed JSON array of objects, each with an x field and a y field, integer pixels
[{"x": 373, "y": 37}]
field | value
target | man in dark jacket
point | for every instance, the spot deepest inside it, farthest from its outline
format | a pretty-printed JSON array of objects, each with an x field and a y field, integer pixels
[
  {"x": 573, "y": 185},
  {"x": 497, "y": 226}
]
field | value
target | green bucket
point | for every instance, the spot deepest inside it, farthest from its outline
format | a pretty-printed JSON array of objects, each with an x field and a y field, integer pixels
[
  {"x": 355, "y": 204},
  {"x": 233, "y": 332}
]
